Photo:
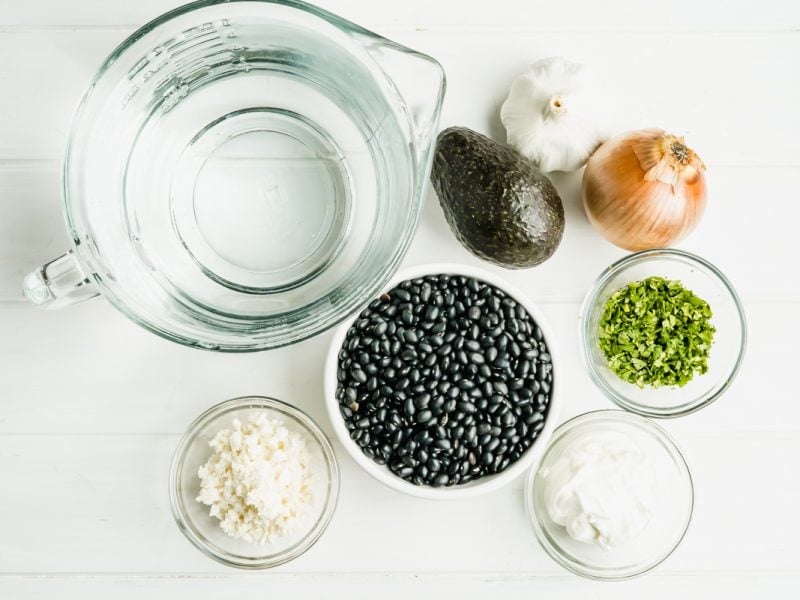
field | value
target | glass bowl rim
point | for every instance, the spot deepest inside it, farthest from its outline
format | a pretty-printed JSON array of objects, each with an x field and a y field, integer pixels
[
  {"x": 315, "y": 431},
  {"x": 644, "y": 424},
  {"x": 591, "y": 298},
  {"x": 478, "y": 487}
]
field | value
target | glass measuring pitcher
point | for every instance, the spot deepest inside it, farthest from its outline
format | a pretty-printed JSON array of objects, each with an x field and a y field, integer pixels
[{"x": 243, "y": 175}]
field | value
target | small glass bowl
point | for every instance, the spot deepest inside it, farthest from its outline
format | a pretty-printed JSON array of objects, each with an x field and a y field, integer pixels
[
  {"x": 727, "y": 351},
  {"x": 203, "y": 531},
  {"x": 666, "y": 528}
]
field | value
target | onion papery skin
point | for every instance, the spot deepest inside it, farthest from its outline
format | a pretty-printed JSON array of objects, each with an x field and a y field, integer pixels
[{"x": 632, "y": 212}]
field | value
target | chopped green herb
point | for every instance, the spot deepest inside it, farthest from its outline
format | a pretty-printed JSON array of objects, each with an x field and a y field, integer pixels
[{"x": 656, "y": 332}]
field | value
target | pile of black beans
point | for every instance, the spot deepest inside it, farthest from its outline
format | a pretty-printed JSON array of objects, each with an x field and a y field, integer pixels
[{"x": 445, "y": 379}]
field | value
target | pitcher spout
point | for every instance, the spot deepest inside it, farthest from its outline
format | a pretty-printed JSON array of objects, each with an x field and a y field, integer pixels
[{"x": 420, "y": 83}]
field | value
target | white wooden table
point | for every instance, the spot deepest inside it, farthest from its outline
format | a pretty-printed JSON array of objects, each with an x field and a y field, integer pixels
[{"x": 91, "y": 406}]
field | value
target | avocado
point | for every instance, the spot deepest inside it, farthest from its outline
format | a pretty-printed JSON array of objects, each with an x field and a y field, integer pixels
[{"x": 498, "y": 204}]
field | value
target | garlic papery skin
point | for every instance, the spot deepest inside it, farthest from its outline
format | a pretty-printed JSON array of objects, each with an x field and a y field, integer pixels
[
  {"x": 644, "y": 189},
  {"x": 547, "y": 117}
]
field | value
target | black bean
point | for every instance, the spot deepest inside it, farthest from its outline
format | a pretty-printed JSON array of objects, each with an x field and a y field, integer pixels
[
  {"x": 509, "y": 433},
  {"x": 422, "y": 401},
  {"x": 409, "y": 408},
  {"x": 491, "y": 353},
  {"x": 500, "y": 387},
  {"x": 533, "y": 418},
  {"x": 440, "y": 480},
  {"x": 467, "y": 407},
  {"x": 425, "y": 292},
  {"x": 432, "y": 313},
  {"x": 508, "y": 419},
  {"x": 405, "y": 471},
  {"x": 477, "y": 358},
  {"x": 523, "y": 369},
  {"x": 409, "y": 461}
]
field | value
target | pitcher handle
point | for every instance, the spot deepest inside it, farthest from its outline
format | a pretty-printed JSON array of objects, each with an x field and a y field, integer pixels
[{"x": 59, "y": 283}]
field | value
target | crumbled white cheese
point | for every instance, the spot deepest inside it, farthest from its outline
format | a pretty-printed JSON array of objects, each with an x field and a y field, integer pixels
[{"x": 258, "y": 481}]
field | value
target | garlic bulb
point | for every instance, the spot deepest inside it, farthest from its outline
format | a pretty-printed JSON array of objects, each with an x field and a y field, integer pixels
[
  {"x": 547, "y": 119},
  {"x": 644, "y": 189}
]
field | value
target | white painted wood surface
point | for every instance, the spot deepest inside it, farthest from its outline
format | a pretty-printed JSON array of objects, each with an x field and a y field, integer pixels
[{"x": 91, "y": 406}]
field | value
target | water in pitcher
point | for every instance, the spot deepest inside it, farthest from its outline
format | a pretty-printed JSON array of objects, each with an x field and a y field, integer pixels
[{"x": 250, "y": 171}]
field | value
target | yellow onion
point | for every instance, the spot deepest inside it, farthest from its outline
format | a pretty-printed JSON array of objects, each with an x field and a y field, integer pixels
[{"x": 644, "y": 189}]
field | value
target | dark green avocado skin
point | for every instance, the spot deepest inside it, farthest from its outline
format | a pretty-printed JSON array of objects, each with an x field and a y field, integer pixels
[{"x": 498, "y": 204}]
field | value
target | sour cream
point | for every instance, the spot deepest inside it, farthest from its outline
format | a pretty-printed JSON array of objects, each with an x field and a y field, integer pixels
[{"x": 602, "y": 489}]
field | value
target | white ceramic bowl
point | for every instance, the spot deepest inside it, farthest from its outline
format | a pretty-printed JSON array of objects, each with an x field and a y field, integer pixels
[{"x": 472, "y": 488}]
